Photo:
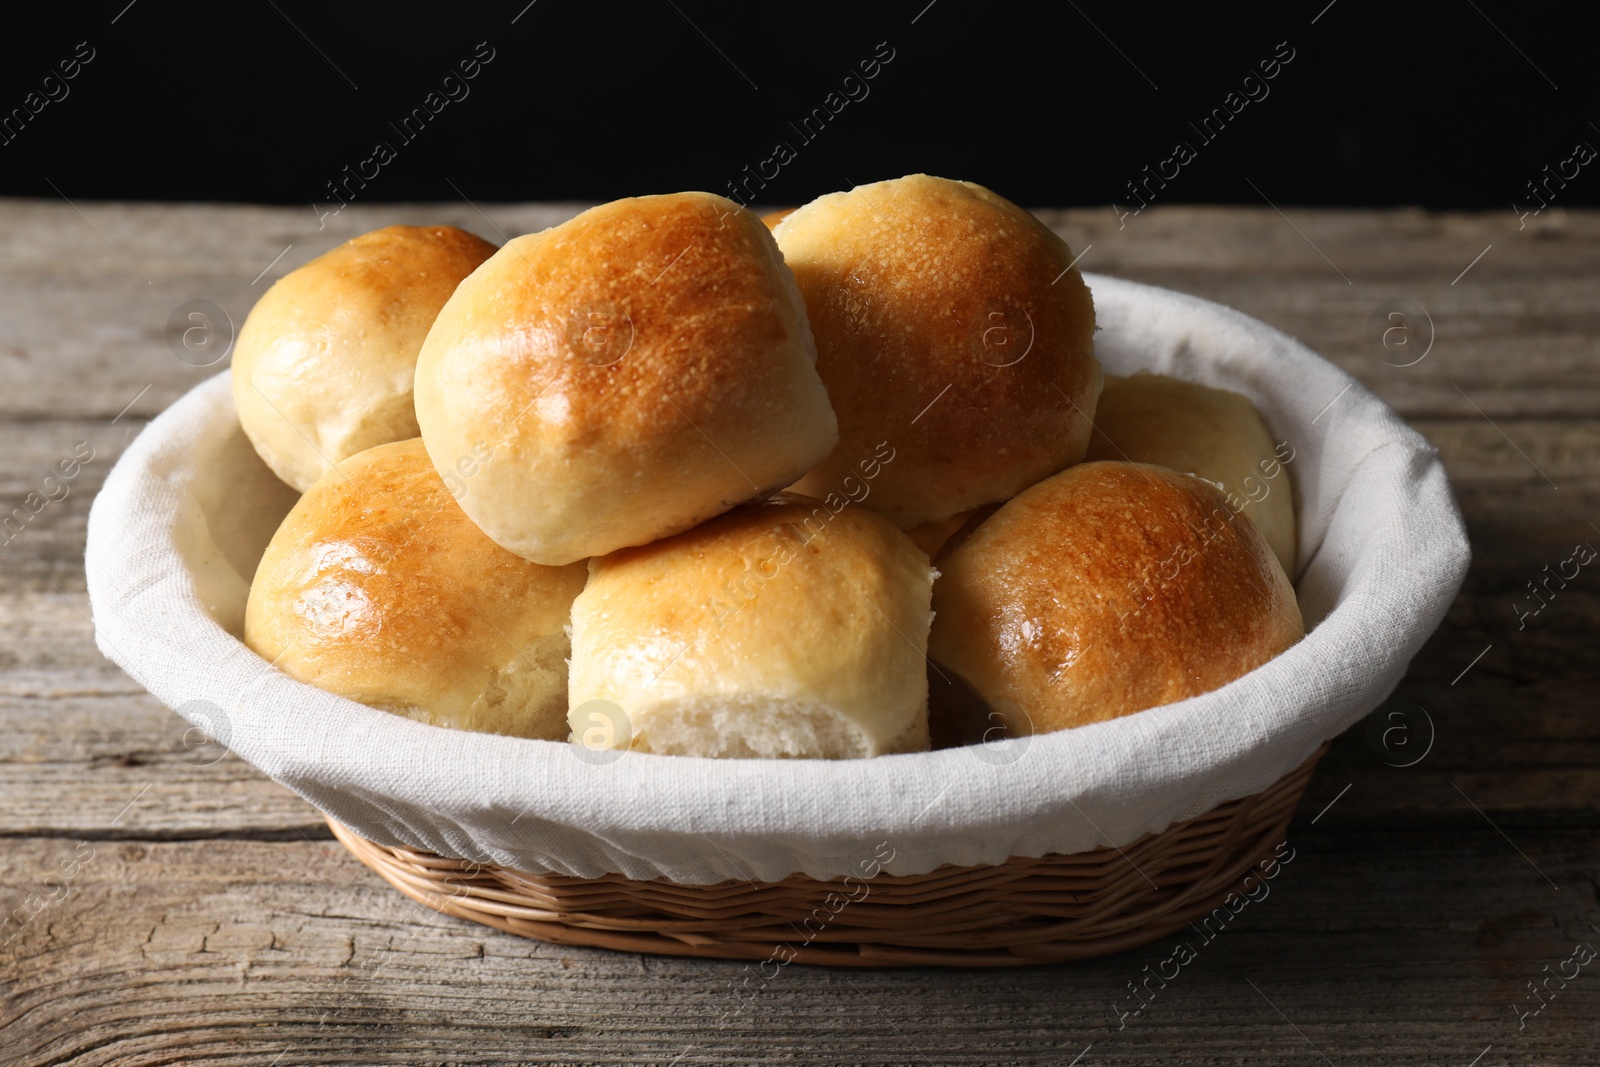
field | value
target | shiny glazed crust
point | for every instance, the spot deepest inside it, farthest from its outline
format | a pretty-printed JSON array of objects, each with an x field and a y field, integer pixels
[
  {"x": 1107, "y": 589},
  {"x": 626, "y": 375},
  {"x": 951, "y": 324},
  {"x": 1214, "y": 433},
  {"x": 378, "y": 588}
]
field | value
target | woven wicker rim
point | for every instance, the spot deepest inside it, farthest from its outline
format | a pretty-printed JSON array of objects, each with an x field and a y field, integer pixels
[{"x": 1022, "y": 911}]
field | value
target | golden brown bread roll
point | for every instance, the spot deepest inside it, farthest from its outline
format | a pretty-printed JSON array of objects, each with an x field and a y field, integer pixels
[
  {"x": 950, "y": 324},
  {"x": 1216, "y": 434},
  {"x": 781, "y": 629},
  {"x": 325, "y": 360},
  {"x": 1107, "y": 589},
  {"x": 625, "y": 375},
  {"x": 378, "y": 588}
]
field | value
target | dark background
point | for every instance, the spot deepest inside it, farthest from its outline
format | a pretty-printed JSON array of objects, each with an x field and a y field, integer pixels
[{"x": 1447, "y": 105}]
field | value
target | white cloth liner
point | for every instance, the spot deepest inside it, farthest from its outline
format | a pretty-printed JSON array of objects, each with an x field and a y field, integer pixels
[{"x": 174, "y": 536}]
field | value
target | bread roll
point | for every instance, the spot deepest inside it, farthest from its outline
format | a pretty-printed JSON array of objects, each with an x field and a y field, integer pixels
[
  {"x": 378, "y": 588},
  {"x": 933, "y": 536},
  {"x": 780, "y": 629},
  {"x": 627, "y": 375},
  {"x": 1213, "y": 433},
  {"x": 325, "y": 360},
  {"x": 950, "y": 324},
  {"x": 772, "y": 218},
  {"x": 1106, "y": 589}
]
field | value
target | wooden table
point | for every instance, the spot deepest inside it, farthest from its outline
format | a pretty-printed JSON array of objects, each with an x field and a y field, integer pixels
[{"x": 165, "y": 912}]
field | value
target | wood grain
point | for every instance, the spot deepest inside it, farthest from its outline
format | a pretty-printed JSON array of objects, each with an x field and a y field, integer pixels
[
  {"x": 1404, "y": 948},
  {"x": 208, "y": 919}
]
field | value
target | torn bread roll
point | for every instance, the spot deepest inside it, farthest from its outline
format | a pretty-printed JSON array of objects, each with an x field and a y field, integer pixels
[
  {"x": 378, "y": 588},
  {"x": 781, "y": 629}
]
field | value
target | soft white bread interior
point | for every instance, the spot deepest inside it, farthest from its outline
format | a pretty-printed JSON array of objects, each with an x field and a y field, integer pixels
[
  {"x": 781, "y": 629},
  {"x": 1215, "y": 434},
  {"x": 1104, "y": 590},
  {"x": 324, "y": 362},
  {"x": 951, "y": 325},
  {"x": 378, "y": 588},
  {"x": 625, "y": 375}
]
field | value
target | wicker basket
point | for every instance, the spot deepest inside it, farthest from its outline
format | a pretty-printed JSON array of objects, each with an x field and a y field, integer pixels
[{"x": 1023, "y": 911}]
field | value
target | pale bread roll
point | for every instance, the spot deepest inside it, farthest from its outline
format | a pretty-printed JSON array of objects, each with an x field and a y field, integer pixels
[
  {"x": 781, "y": 629},
  {"x": 1216, "y": 434},
  {"x": 952, "y": 325},
  {"x": 628, "y": 374},
  {"x": 378, "y": 588},
  {"x": 324, "y": 363},
  {"x": 1104, "y": 590}
]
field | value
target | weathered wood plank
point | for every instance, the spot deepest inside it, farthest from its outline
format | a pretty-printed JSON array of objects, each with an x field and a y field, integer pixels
[
  {"x": 1407, "y": 949},
  {"x": 50, "y": 471},
  {"x": 1516, "y": 333},
  {"x": 73, "y": 766}
]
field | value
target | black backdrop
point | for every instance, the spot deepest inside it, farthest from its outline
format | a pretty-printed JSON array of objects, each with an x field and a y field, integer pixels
[{"x": 1444, "y": 105}]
